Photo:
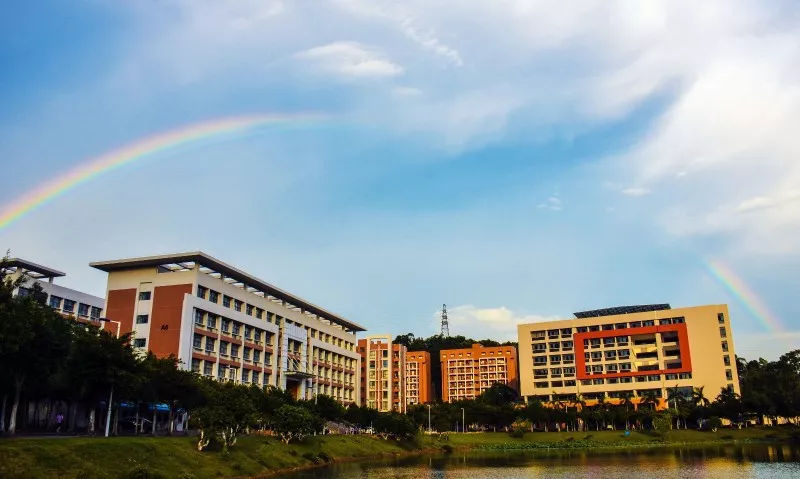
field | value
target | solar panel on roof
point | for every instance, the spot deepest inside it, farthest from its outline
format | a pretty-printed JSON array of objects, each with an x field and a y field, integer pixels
[{"x": 642, "y": 308}]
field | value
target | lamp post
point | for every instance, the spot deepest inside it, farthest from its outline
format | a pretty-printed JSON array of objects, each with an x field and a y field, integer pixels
[
  {"x": 111, "y": 393},
  {"x": 429, "y": 418},
  {"x": 463, "y": 423}
]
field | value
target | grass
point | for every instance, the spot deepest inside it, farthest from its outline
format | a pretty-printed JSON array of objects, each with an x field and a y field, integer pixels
[{"x": 176, "y": 457}]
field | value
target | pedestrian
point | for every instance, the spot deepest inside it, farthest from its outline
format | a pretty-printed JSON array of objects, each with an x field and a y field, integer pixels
[{"x": 59, "y": 421}]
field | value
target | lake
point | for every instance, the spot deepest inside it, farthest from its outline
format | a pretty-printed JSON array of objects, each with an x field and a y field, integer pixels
[{"x": 724, "y": 462}]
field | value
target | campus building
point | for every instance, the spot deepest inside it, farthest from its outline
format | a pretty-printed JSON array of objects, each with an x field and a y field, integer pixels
[
  {"x": 383, "y": 376},
  {"x": 643, "y": 350},
  {"x": 69, "y": 302},
  {"x": 466, "y": 373},
  {"x": 419, "y": 382},
  {"x": 227, "y": 324}
]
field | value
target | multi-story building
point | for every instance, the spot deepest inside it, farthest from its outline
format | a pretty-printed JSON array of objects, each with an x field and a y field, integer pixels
[
  {"x": 383, "y": 375},
  {"x": 419, "y": 383},
  {"x": 466, "y": 373},
  {"x": 69, "y": 302},
  {"x": 639, "y": 350},
  {"x": 227, "y": 324}
]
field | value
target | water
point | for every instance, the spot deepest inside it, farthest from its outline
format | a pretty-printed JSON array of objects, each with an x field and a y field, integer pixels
[{"x": 723, "y": 462}]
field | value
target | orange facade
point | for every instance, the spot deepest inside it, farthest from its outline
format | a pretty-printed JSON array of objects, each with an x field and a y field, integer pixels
[
  {"x": 383, "y": 379},
  {"x": 419, "y": 383},
  {"x": 466, "y": 373}
]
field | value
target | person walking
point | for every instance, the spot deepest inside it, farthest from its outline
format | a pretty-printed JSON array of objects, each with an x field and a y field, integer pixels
[{"x": 59, "y": 422}]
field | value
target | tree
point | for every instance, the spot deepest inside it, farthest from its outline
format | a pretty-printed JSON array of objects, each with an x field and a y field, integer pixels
[
  {"x": 293, "y": 423},
  {"x": 395, "y": 425}
]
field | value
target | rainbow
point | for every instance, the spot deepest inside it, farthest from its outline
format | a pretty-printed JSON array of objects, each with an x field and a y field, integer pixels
[
  {"x": 744, "y": 294},
  {"x": 144, "y": 147}
]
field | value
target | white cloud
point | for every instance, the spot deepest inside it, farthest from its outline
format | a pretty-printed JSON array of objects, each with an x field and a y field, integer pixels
[
  {"x": 350, "y": 59},
  {"x": 635, "y": 191},
  {"x": 498, "y": 323},
  {"x": 552, "y": 203}
]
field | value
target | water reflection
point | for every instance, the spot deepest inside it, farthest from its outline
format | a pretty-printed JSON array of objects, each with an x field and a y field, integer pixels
[{"x": 723, "y": 462}]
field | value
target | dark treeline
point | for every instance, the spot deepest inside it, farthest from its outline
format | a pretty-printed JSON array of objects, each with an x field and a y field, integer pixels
[{"x": 436, "y": 343}]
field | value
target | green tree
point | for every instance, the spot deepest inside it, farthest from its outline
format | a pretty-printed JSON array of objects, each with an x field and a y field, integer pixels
[{"x": 293, "y": 423}]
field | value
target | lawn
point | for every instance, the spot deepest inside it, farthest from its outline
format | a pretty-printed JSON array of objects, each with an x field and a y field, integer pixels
[{"x": 176, "y": 457}]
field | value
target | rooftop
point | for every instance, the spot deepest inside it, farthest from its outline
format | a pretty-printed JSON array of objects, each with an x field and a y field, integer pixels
[
  {"x": 227, "y": 273},
  {"x": 33, "y": 270},
  {"x": 642, "y": 308}
]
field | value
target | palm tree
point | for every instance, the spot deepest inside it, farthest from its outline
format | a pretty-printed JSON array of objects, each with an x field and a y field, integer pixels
[
  {"x": 699, "y": 398},
  {"x": 625, "y": 401}
]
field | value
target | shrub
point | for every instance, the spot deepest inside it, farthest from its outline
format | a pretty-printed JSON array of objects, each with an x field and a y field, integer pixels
[
  {"x": 517, "y": 433},
  {"x": 447, "y": 448}
]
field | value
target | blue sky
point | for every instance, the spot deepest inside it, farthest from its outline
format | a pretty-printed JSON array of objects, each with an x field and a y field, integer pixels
[{"x": 518, "y": 161}]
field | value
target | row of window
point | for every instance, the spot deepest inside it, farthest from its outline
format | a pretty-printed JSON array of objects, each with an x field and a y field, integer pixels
[
  {"x": 622, "y": 380},
  {"x": 230, "y": 327},
  {"x": 68, "y": 306},
  {"x": 567, "y": 332},
  {"x": 227, "y": 349},
  {"x": 259, "y": 313}
]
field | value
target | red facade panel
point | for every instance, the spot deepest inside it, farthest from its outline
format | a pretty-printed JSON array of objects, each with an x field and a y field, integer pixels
[
  {"x": 120, "y": 307},
  {"x": 683, "y": 344},
  {"x": 165, "y": 324}
]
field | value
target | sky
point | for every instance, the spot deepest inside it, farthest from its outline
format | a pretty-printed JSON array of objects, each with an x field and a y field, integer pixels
[{"x": 516, "y": 160}]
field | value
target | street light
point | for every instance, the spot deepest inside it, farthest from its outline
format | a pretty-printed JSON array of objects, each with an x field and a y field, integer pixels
[
  {"x": 111, "y": 393},
  {"x": 463, "y": 423},
  {"x": 429, "y": 419}
]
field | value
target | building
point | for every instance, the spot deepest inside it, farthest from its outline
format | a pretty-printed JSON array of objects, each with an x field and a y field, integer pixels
[
  {"x": 466, "y": 373},
  {"x": 69, "y": 302},
  {"x": 642, "y": 350},
  {"x": 383, "y": 373},
  {"x": 227, "y": 324},
  {"x": 419, "y": 382}
]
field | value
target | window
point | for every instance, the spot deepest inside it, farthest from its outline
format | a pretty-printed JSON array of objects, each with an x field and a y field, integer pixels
[
  {"x": 83, "y": 310},
  {"x": 246, "y": 354},
  {"x": 720, "y": 318},
  {"x": 55, "y": 302},
  {"x": 211, "y": 322},
  {"x": 248, "y": 331},
  {"x": 256, "y": 356},
  {"x": 95, "y": 312},
  {"x": 249, "y": 309},
  {"x": 222, "y": 371},
  {"x": 69, "y": 305},
  {"x": 210, "y": 343},
  {"x": 201, "y": 291},
  {"x": 213, "y": 296},
  {"x": 725, "y": 346},
  {"x": 139, "y": 342},
  {"x": 23, "y": 292},
  {"x": 259, "y": 313},
  {"x": 142, "y": 319},
  {"x": 226, "y": 325},
  {"x": 234, "y": 350},
  {"x": 197, "y": 341},
  {"x": 207, "y": 368},
  {"x": 237, "y": 305},
  {"x": 722, "y": 332},
  {"x": 257, "y": 336},
  {"x": 236, "y": 328},
  {"x": 728, "y": 375},
  {"x": 223, "y": 348},
  {"x": 226, "y": 301},
  {"x": 727, "y": 360},
  {"x": 195, "y": 365},
  {"x": 144, "y": 295},
  {"x": 198, "y": 317},
  {"x": 245, "y": 375}
]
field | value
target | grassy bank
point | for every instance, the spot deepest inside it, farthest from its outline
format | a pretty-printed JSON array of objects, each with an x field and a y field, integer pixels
[{"x": 88, "y": 458}]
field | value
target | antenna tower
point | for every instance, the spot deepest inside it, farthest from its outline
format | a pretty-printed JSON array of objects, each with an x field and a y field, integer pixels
[{"x": 445, "y": 326}]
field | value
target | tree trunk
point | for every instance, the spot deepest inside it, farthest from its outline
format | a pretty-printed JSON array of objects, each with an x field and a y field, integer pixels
[
  {"x": 92, "y": 414},
  {"x": 116, "y": 420},
  {"x": 136, "y": 422},
  {"x": 171, "y": 418},
  {"x": 73, "y": 412},
  {"x": 3, "y": 414},
  {"x": 155, "y": 411},
  {"x": 12, "y": 422}
]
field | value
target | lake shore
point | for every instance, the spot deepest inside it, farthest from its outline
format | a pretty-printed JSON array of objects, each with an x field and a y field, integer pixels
[{"x": 257, "y": 456}]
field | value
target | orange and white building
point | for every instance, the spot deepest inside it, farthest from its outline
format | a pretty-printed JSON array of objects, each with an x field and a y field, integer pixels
[
  {"x": 419, "y": 382},
  {"x": 466, "y": 373},
  {"x": 640, "y": 350},
  {"x": 229, "y": 325},
  {"x": 383, "y": 373}
]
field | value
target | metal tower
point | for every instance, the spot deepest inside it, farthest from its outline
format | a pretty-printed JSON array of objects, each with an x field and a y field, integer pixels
[{"x": 445, "y": 326}]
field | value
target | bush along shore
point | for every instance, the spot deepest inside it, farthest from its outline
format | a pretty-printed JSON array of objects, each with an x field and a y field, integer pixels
[{"x": 177, "y": 457}]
